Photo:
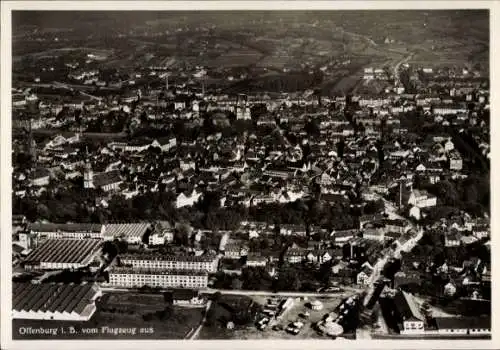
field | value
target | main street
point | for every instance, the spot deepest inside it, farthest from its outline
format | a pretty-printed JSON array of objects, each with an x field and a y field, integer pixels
[
  {"x": 346, "y": 291},
  {"x": 202, "y": 323},
  {"x": 398, "y": 64},
  {"x": 407, "y": 246}
]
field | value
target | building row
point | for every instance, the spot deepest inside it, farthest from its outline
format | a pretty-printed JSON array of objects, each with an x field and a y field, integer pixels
[
  {"x": 412, "y": 321},
  {"x": 128, "y": 277},
  {"x": 172, "y": 262},
  {"x": 133, "y": 233}
]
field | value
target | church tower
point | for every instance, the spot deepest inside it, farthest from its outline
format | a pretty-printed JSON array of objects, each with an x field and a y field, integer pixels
[{"x": 88, "y": 176}]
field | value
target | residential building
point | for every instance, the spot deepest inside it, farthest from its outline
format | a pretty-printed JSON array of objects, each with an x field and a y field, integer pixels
[
  {"x": 408, "y": 314},
  {"x": 363, "y": 277},
  {"x": 182, "y": 297},
  {"x": 340, "y": 237},
  {"x": 452, "y": 239},
  {"x": 171, "y": 262},
  {"x": 256, "y": 260},
  {"x": 165, "y": 144},
  {"x": 464, "y": 325},
  {"x": 456, "y": 162},
  {"x": 40, "y": 178},
  {"x": 133, "y": 233},
  {"x": 136, "y": 278},
  {"x": 107, "y": 181},
  {"x": 160, "y": 238},
  {"x": 187, "y": 200},
  {"x": 422, "y": 199}
]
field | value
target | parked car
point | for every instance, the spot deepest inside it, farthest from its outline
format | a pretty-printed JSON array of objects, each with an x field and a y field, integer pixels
[
  {"x": 295, "y": 327},
  {"x": 293, "y": 330},
  {"x": 262, "y": 323}
]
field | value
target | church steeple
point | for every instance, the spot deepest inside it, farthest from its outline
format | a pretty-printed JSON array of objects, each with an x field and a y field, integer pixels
[{"x": 88, "y": 176}]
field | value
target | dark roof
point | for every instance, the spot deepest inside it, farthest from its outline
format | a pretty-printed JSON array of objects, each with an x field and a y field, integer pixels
[
  {"x": 406, "y": 306},
  {"x": 183, "y": 294},
  {"x": 161, "y": 257},
  {"x": 483, "y": 322},
  {"x": 49, "y": 227},
  {"x": 392, "y": 234},
  {"x": 107, "y": 178},
  {"x": 52, "y": 297},
  {"x": 17, "y": 248},
  {"x": 165, "y": 140},
  {"x": 127, "y": 270},
  {"x": 139, "y": 143},
  {"x": 39, "y": 173},
  {"x": 63, "y": 251}
]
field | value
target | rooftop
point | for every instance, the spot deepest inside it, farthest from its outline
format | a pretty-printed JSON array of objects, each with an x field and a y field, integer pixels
[
  {"x": 127, "y": 270},
  {"x": 127, "y": 229},
  {"x": 63, "y": 251},
  {"x": 407, "y": 307},
  {"x": 52, "y": 297},
  {"x": 152, "y": 256},
  {"x": 107, "y": 178},
  {"x": 483, "y": 322},
  {"x": 50, "y": 227}
]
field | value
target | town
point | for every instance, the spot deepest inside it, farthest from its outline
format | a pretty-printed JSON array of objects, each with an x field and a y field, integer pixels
[{"x": 207, "y": 201}]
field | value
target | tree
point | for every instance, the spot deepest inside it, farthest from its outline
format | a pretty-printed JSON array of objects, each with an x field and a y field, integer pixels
[
  {"x": 254, "y": 278},
  {"x": 216, "y": 297},
  {"x": 312, "y": 127},
  {"x": 211, "y": 317},
  {"x": 374, "y": 207},
  {"x": 288, "y": 279},
  {"x": 110, "y": 249},
  {"x": 182, "y": 233},
  {"x": 380, "y": 151},
  {"x": 121, "y": 245},
  {"x": 236, "y": 284}
]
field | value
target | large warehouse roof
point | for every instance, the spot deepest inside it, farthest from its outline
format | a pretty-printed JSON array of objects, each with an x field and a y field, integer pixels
[
  {"x": 53, "y": 297},
  {"x": 134, "y": 230},
  {"x": 63, "y": 251},
  {"x": 50, "y": 227}
]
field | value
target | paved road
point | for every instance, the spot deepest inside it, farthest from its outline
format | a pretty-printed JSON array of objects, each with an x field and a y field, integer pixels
[
  {"x": 202, "y": 323},
  {"x": 391, "y": 209},
  {"x": 398, "y": 64},
  {"x": 346, "y": 291}
]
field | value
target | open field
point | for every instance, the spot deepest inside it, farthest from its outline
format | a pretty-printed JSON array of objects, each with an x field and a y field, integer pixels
[
  {"x": 277, "y": 40},
  {"x": 235, "y": 59},
  {"x": 129, "y": 314}
]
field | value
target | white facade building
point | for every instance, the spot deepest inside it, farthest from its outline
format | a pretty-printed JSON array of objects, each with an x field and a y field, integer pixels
[{"x": 134, "y": 278}]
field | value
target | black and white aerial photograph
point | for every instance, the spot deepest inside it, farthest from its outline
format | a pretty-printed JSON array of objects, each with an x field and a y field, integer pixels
[{"x": 250, "y": 174}]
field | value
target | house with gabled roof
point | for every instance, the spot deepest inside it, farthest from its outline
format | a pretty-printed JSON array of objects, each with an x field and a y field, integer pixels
[
  {"x": 422, "y": 199},
  {"x": 363, "y": 276},
  {"x": 410, "y": 318}
]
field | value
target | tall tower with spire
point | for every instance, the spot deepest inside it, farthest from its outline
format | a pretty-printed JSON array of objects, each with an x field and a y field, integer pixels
[
  {"x": 88, "y": 176},
  {"x": 88, "y": 173}
]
